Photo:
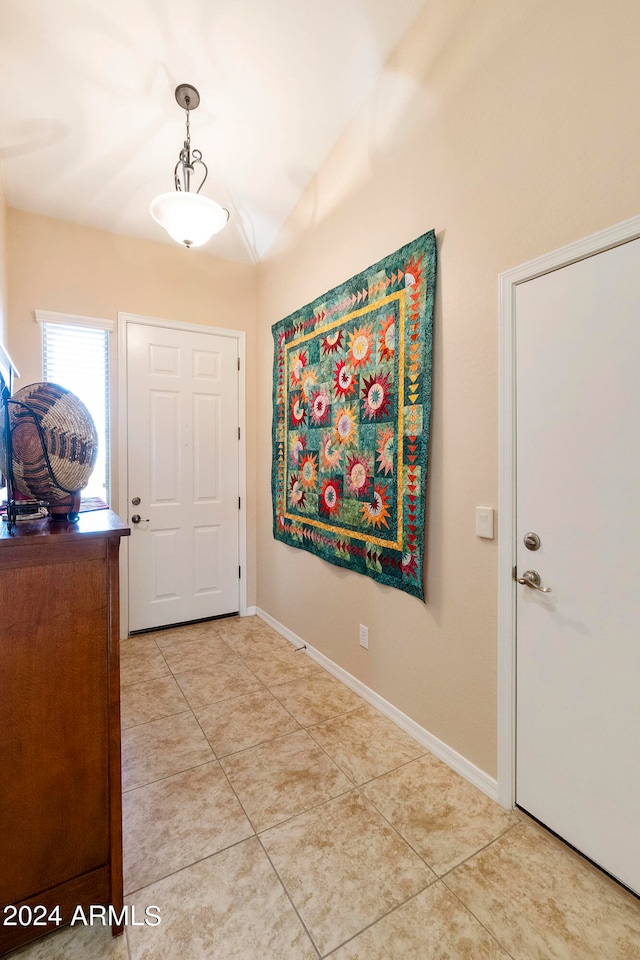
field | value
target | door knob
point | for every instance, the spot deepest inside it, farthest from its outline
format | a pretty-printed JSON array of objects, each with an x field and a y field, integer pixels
[
  {"x": 531, "y": 578},
  {"x": 136, "y": 518}
]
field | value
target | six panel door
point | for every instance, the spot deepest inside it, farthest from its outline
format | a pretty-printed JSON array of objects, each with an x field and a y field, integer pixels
[{"x": 183, "y": 456}]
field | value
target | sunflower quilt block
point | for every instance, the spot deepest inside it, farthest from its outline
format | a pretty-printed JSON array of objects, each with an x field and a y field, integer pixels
[{"x": 351, "y": 412}]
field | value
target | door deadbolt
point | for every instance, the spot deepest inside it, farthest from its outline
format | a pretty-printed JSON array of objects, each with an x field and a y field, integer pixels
[
  {"x": 135, "y": 501},
  {"x": 532, "y": 541}
]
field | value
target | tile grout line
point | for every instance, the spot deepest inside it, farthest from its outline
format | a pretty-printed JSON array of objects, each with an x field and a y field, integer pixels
[
  {"x": 240, "y": 658},
  {"x": 193, "y": 767},
  {"x": 475, "y": 917},
  {"x": 400, "y": 835},
  {"x": 256, "y": 834},
  {"x": 353, "y": 789},
  {"x": 480, "y": 850},
  {"x": 383, "y": 916},
  {"x": 166, "y": 716},
  {"x": 226, "y": 776},
  {"x": 175, "y": 773},
  {"x": 186, "y": 866},
  {"x": 288, "y": 896},
  {"x": 216, "y": 759},
  {"x": 472, "y": 856},
  {"x": 364, "y": 783},
  {"x": 301, "y": 813},
  {"x": 411, "y": 844}
]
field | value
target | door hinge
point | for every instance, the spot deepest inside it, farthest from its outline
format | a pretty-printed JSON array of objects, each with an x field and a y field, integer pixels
[
  {"x": 238, "y": 363},
  {"x": 238, "y": 433},
  {"x": 239, "y": 573},
  {"x": 239, "y": 506}
]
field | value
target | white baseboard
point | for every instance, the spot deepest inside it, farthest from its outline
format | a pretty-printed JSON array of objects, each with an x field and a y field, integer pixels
[
  {"x": 249, "y": 612},
  {"x": 451, "y": 757}
]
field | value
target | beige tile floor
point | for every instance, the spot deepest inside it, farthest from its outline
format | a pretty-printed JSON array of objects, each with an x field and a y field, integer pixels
[{"x": 271, "y": 814}]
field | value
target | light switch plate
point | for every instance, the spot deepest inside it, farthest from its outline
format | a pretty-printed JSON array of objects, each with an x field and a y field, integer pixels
[{"x": 484, "y": 522}]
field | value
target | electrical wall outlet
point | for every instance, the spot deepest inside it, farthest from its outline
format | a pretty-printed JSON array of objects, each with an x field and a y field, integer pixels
[{"x": 364, "y": 636}]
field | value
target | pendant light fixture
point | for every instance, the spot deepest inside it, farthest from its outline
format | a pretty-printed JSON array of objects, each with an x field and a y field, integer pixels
[{"x": 186, "y": 216}]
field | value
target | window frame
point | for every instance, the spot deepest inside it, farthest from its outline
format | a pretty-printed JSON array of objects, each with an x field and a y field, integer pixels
[{"x": 69, "y": 320}]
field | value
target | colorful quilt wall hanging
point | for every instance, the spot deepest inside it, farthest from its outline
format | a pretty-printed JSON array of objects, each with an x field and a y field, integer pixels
[{"x": 351, "y": 412}]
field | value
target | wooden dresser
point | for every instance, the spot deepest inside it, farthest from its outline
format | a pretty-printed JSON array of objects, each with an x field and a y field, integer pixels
[{"x": 60, "y": 779}]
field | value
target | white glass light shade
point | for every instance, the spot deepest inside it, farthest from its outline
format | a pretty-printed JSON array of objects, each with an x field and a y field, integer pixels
[{"x": 188, "y": 217}]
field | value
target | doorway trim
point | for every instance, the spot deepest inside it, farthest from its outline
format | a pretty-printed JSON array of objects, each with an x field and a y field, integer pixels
[
  {"x": 507, "y": 282},
  {"x": 124, "y": 319}
]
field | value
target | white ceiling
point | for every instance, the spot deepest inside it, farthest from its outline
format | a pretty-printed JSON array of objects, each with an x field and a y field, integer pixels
[{"x": 90, "y": 130}]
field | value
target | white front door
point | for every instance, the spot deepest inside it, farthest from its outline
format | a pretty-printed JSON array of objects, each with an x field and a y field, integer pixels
[
  {"x": 578, "y": 489},
  {"x": 183, "y": 456}
]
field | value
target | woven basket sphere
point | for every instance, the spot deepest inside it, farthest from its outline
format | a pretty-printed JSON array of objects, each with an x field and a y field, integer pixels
[{"x": 69, "y": 436}]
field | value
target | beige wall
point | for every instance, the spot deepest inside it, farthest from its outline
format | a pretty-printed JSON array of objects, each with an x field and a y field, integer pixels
[
  {"x": 60, "y": 266},
  {"x": 3, "y": 264},
  {"x": 509, "y": 127}
]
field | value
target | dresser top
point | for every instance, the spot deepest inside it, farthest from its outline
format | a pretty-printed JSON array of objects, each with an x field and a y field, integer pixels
[{"x": 96, "y": 523}]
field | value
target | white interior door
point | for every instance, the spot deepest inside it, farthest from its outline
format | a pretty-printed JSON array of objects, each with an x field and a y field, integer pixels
[
  {"x": 578, "y": 489},
  {"x": 183, "y": 481}
]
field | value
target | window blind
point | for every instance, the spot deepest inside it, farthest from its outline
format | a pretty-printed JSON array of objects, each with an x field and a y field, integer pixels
[{"x": 77, "y": 357}]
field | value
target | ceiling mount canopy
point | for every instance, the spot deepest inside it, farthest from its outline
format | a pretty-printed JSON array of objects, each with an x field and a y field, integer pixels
[{"x": 186, "y": 216}]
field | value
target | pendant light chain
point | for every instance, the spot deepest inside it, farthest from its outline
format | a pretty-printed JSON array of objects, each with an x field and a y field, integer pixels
[{"x": 188, "y": 142}]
